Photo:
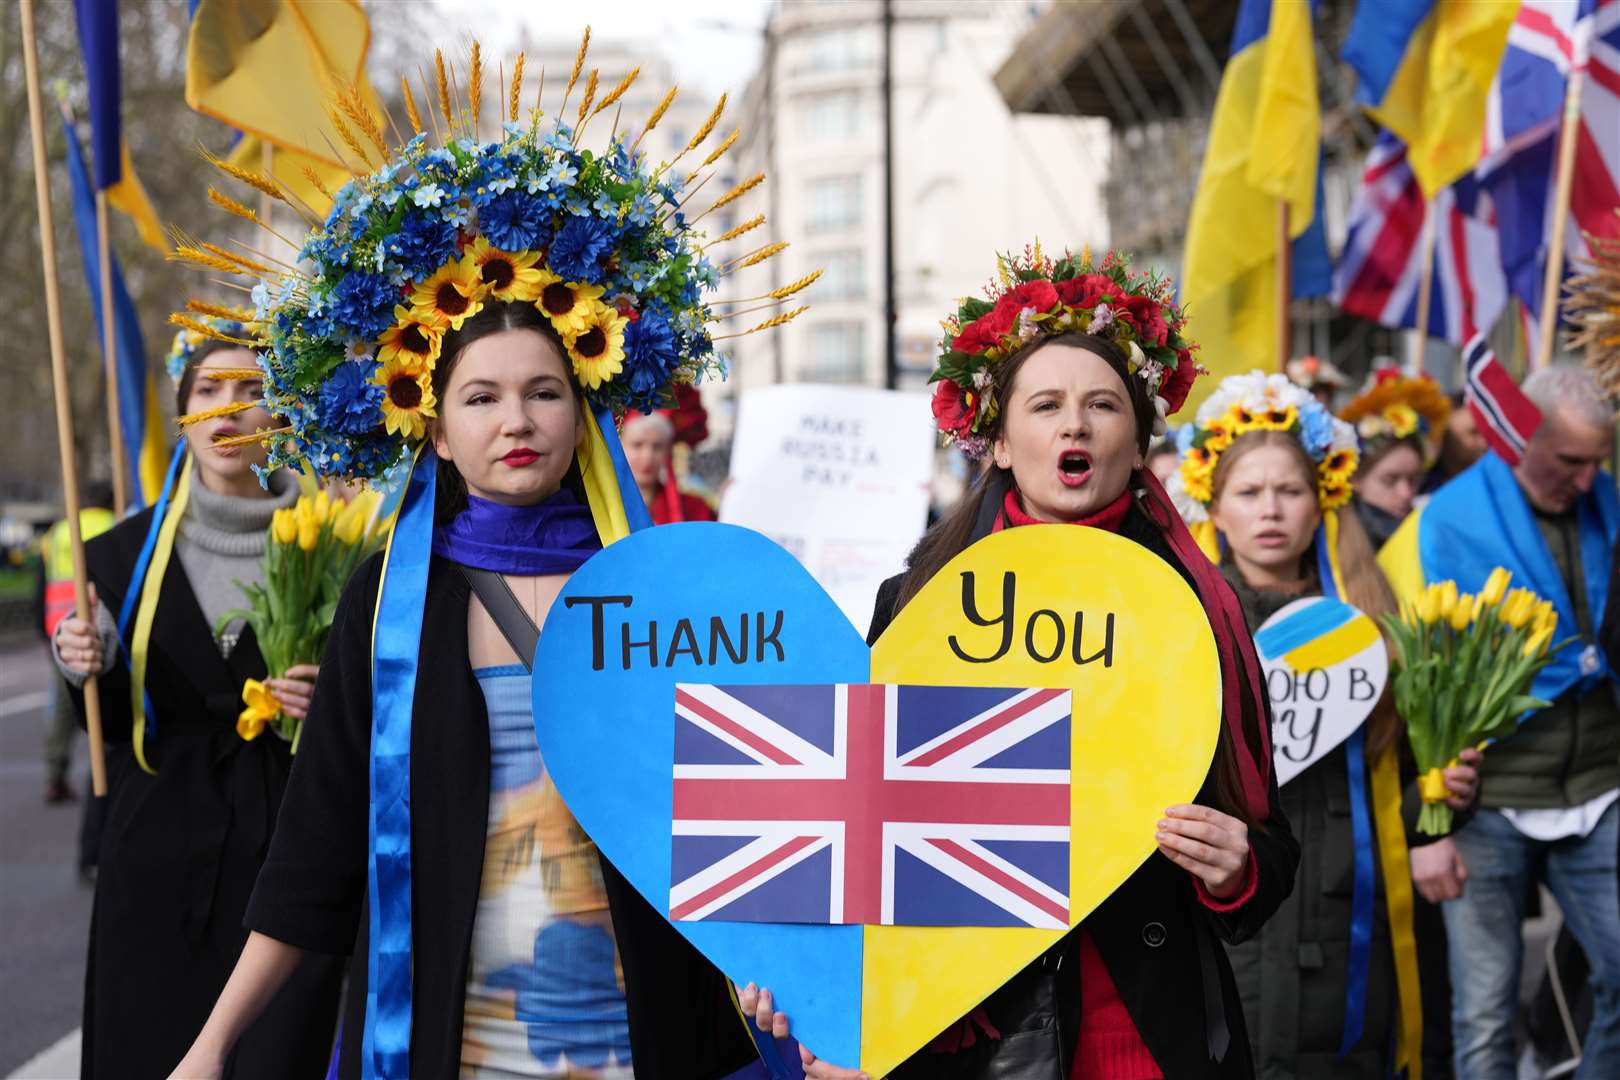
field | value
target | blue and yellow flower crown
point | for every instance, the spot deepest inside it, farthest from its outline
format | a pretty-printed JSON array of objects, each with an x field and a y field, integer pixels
[
  {"x": 1261, "y": 402},
  {"x": 600, "y": 243}
]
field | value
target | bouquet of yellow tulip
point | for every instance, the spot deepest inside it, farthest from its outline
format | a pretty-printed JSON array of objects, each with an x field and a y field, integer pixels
[
  {"x": 1464, "y": 666},
  {"x": 314, "y": 547}
]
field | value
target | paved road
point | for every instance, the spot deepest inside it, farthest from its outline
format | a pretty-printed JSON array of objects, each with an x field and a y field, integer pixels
[{"x": 44, "y": 912}]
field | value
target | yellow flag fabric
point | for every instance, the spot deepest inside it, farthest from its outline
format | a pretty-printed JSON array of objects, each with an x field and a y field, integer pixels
[
  {"x": 1263, "y": 149},
  {"x": 602, "y": 484},
  {"x": 1436, "y": 102},
  {"x": 154, "y": 462},
  {"x": 268, "y": 68},
  {"x": 129, "y": 196},
  {"x": 287, "y": 167}
]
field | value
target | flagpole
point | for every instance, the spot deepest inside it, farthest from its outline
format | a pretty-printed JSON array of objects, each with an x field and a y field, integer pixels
[
  {"x": 109, "y": 356},
  {"x": 1425, "y": 288},
  {"x": 59, "y": 381},
  {"x": 1285, "y": 286},
  {"x": 1568, "y": 138}
]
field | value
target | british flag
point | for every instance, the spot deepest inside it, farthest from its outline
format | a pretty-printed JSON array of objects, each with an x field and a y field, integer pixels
[
  {"x": 1378, "y": 274},
  {"x": 1550, "y": 41},
  {"x": 871, "y": 804}
]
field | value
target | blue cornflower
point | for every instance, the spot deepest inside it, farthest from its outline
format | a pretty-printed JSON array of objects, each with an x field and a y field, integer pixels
[
  {"x": 579, "y": 248},
  {"x": 424, "y": 242},
  {"x": 642, "y": 210},
  {"x": 606, "y": 206},
  {"x": 364, "y": 303},
  {"x": 512, "y": 222},
  {"x": 649, "y": 350},
  {"x": 1316, "y": 431},
  {"x": 349, "y": 402}
]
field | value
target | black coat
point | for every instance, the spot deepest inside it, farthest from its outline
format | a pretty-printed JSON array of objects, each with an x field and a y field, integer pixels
[
  {"x": 1154, "y": 935},
  {"x": 181, "y": 849},
  {"x": 312, "y": 891}
]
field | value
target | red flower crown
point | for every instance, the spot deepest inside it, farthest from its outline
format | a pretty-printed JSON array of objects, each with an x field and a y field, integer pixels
[{"x": 1036, "y": 297}]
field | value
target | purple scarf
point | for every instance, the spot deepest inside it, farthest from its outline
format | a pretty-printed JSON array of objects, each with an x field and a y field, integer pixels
[{"x": 554, "y": 536}]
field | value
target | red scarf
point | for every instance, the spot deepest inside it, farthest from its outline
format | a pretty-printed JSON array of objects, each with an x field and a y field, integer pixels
[{"x": 1240, "y": 665}]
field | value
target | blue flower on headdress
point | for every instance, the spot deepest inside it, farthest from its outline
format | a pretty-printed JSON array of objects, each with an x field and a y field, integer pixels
[
  {"x": 579, "y": 247},
  {"x": 512, "y": 222},
  {"x": 642, "y": 210},
  {"x": 424, "y": 241},
  {"x": 1316, "y": 431},
  {"x": 364, "y": 303},
  {"x": 649, "y": 350},
  {"x": 349, "y": 402}
]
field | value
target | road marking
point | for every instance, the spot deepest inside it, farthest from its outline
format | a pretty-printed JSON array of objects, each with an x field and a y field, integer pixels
[{"x": 25, "y": 702}]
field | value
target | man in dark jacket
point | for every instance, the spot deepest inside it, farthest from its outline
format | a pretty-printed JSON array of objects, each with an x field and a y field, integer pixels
[{"x": 1550, "y": 795}]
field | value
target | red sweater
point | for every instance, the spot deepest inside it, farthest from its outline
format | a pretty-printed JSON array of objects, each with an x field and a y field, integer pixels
[{"x": 1109, "y": 1046}]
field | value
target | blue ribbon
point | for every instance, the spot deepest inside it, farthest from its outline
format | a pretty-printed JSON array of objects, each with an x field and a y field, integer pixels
[
  {"x": 396, "y": 643},
  {"x": 635, "y": 507},
  {"x": 143, "y": 563},
  {"x": 1363, "y": 887}
]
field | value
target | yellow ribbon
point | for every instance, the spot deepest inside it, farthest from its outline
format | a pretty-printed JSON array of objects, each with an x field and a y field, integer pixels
[
  {"x": 602, "y": 484},
  {"x": 1390, "y": 828},
  {"x": 141, "y": 636}
]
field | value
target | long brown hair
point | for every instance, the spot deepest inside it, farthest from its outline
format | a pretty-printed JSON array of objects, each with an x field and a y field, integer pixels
[
  {"x": 451, "y": 495},
  {"x": 954, "y": 532},
  {"x": 1365, "y": 586}
]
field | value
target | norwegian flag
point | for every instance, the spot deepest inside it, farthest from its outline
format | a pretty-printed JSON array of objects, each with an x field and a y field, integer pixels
[
  {"x": 1379, "y": 273},
  {"x": 1505, "y": 416},
  {"x": 1550, "y": 40},
  {"x": 872, "y": 804}
]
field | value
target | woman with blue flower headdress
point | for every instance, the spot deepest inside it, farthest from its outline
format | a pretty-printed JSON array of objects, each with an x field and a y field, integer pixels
[
  {"x": 192, "y": 795},
  {"x": 1331, "y": 985},
  {"x": 478, "y": 313}
]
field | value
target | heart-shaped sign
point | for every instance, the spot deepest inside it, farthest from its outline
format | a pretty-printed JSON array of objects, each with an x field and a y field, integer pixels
[
  {"x": 706, "y": 606},
  {"x": 1326, "y": 667}
]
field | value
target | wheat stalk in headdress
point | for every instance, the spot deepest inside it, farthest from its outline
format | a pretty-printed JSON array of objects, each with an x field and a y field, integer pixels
[
  {"x": 657, "y": 115},
  {"x": 719, "y": 151},
  {"x": 733, "y": 195},
  {"x": 1592, "y": 304},
  {"x": 737, "y": 230},
  {"x": 768, "y": 324},
  {"x": 517, "y": 89},
  {"x": 443, "y": 83}
]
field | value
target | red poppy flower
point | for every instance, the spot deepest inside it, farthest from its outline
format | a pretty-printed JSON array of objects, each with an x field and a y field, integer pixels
[
  {"x": 952, "y": 410},
  {"x": 1178, "y": 383},
  {"x": 1088, "y": 290},
  {"x": 985, "y": 331},
  {"x": 1039, "y": 295},
  {"x": 1148, "y": 318}
]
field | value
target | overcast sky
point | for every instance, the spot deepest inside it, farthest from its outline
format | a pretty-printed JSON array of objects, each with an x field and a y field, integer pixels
[{"x": 714, "y": 44}]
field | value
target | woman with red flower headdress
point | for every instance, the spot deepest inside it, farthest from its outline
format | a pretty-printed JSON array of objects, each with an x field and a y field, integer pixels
[
  {"x": 1061, "y": 378},
  {"x": 649, "y": 446}
]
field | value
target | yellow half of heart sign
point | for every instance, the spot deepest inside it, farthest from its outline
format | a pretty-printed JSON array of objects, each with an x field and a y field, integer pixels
[{"x": 1049, "y": 606}]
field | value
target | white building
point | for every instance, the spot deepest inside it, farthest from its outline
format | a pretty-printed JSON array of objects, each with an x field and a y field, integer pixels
[{"x": 971, "y": 179}]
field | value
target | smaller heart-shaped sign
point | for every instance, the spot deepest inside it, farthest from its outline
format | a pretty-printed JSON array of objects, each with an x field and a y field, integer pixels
[{"x": 1326, "y": 667}]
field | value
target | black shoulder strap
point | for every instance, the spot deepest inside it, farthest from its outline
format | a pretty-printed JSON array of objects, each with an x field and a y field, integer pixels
[{"x": 503, "y": 606}]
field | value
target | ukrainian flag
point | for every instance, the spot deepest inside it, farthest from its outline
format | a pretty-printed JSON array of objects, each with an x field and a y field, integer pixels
[
  {"x": 1264, "y": 148},
  {"x": 115, "y": 173},
  {"x": 1425, "y": 69}
]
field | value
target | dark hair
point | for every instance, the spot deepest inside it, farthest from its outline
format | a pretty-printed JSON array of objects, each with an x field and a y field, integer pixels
[
  {"x": 1164, "y": 448},
  {"x": 188, "y": 377},
  {"x": 1375, "y": 450},
  {"x": 493, "y": 318},
  {"x": 954, "y": 532}
]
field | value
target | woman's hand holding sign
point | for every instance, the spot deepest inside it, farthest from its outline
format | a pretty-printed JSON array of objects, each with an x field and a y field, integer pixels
[
  {"x": 1211, "y": 846},
  {"x": 757, "y": 1003}
]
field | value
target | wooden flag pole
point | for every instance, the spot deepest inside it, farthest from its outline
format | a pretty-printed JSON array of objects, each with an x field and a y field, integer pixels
[
  {"x": 109, "y": 356},
  {"x": 1425, "y": 289},
  {"x": 1568, "y": 138},
  {"x": 1285, "y": 288},
  {"x": 59, "y": 379}
]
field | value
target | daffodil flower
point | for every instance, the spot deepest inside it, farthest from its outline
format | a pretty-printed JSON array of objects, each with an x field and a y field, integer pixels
[{"x": 262, "y": 707}]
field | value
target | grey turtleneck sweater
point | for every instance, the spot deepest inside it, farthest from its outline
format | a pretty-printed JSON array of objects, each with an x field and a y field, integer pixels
[{"x": 221, "y": 540}]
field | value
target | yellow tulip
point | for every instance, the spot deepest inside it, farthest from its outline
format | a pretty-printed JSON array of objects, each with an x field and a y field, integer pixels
[
  {"x": 1519, "y": 606},
  {"x": 323, "y": 507},
  {"x": 1495, "y": 587},
  {"x": 309, "y": 534},
  {"x": 1537, "y": 643},
  {"x": 1463, "y": 613},
  {"x": 284, "y": 526},
  {"x": 1448, "y": 599},
  {"x": 1428, "y": 605},
  {"x": 262, "y": 707},
  {"x": 349, "y": 523}
]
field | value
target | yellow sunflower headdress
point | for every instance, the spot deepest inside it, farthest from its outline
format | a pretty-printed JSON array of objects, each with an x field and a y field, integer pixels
[
  {"x": 1261, "y": 402},
  {"x": 1394, "y": 406}
]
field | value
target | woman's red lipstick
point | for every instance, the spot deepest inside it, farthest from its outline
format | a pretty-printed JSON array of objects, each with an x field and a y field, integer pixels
[{"x": 521, "y": 457}]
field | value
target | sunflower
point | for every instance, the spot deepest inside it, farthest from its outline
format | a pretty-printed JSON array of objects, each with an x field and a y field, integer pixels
[
  {"x": 1338, "y": 467},
  {"x": 1197, "y": 473},
  {"x": 507, "y": 275},
  {"x": 408, "y": 395},
  {"x": 597, "y": 350},
  {"x": 568, "y": 304},
  {"x": 1403, "y": 419},
  {"x": 453, "y": 294},
  {"x": 415, "y": 336}
]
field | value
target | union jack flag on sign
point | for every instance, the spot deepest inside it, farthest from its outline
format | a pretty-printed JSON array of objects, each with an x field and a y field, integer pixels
[{"x": 871, "y": 804}]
